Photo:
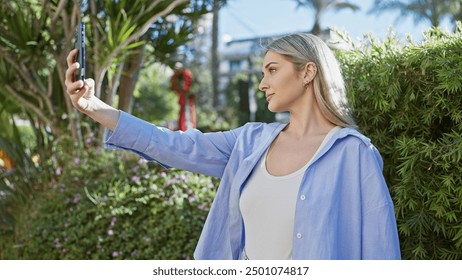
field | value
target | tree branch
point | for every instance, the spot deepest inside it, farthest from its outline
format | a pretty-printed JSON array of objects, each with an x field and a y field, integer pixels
[
  {"x": 96, "y": 35},
  {"x": 48, "y": 96},
  {"x": 132, "y": 38},
  {"x": 16, "y": 66},
  {"x": 59, "y": 9},
  {"x": 152, "y": 6},
  {"x": 29, "y": 105}
]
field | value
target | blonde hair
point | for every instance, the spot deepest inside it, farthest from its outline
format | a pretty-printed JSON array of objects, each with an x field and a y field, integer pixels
[{"x": 329, "y": 86}]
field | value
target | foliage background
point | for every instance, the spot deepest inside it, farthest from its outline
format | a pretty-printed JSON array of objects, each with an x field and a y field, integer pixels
[{"x": 407, "y": 98}]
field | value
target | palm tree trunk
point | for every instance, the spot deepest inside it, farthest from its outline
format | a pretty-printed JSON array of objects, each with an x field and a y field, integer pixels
[
  {"x": 128, "y": 79},
  {"x": 214, "y": 52},
  {"x": 316, "y": 29}
]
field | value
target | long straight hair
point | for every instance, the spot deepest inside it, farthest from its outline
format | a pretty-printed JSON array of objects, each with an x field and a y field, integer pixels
[{"x": 329, "y": 86}]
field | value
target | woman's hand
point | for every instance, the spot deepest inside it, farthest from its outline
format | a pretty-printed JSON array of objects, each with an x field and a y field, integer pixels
[{"x": 82, "y": 95}]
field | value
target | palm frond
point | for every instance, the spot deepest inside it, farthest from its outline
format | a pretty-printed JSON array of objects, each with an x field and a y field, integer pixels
[{"x": 346, "y": 5}]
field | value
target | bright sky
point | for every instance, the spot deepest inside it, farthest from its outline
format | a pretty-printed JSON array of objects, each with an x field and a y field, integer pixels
[{"x": 242, "y": 19}]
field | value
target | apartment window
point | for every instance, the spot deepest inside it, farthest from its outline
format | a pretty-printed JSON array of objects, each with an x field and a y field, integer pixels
[{"x": 235, "y": 65}]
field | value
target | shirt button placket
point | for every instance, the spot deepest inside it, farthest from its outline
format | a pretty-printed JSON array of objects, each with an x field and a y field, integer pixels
[{"x": 299, "y": 234}]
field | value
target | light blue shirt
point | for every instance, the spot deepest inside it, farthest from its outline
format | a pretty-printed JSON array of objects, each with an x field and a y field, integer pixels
[{"x": 343, "y": 211}]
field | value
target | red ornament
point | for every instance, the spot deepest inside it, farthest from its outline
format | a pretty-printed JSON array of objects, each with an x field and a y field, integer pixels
[
  {"x": 181, "y": 83},
  {"x": 182, "y": 80}
]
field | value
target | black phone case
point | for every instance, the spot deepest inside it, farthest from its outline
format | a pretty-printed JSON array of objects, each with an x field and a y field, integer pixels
[{"x": 80, "y": 46}]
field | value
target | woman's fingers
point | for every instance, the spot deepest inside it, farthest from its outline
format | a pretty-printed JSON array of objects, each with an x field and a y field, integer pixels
[
  {"x": 71, "y": 57},
  {"x": 85, "y": 95},
  {"x": 81, "y": 92},
  {"x": 89, "y": 88},
  {"x": 71, "y": 85},
  {"x": 75, "y": 87}
]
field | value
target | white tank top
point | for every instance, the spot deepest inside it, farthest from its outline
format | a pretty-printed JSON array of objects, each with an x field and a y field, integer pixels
[{"x": 267, "y": 204}]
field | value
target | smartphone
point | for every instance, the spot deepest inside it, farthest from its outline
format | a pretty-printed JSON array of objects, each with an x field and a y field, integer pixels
[{"x": 80, "y": 46}]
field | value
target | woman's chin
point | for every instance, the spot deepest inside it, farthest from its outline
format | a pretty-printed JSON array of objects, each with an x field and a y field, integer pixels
[{"x": 274, "y": 109}]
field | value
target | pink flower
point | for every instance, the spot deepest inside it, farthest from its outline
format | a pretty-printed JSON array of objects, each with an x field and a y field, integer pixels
[
  {"x": 113, "y": 221},
  {"x": 115, "y": 254},
  {"x": 110, "y": 232},
  {"x": 77, "y": 198},
  {"x": 57, "y": 243}
]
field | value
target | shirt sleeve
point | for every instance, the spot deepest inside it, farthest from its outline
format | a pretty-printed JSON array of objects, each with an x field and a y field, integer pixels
[
  {"x": 379, "y": 228},
  {"x": 192, "y": 150}
]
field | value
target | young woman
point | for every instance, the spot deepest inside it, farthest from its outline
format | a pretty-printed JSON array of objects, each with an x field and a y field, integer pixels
[{"x": 309, "y": 189}]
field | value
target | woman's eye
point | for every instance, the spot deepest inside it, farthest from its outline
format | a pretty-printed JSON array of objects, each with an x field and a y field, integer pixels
[{"x": 272, "y": 70}]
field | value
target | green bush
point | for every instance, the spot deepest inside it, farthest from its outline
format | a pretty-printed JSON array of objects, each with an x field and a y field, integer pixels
[
  {"x": 408, "y": 100},
  {"x": 111, "y": 205}
]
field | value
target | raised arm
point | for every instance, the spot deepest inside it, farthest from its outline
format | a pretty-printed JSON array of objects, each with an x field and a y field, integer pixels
[
  {"x": 205, "y": 153},
  {"x": 83, "y": 97}
]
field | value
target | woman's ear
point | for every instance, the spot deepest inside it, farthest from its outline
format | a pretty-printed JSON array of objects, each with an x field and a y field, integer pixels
[{"x": 309, "y": 72}]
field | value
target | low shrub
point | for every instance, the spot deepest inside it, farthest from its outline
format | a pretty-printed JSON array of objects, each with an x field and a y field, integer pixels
[{"x": 111, "y": 205}]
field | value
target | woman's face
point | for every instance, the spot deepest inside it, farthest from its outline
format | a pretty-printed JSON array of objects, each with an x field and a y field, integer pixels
[{"x": 281, "y": 82}]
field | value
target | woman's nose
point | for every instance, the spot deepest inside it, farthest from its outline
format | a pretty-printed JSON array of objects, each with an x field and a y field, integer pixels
[{"x": 262, "y": 86}]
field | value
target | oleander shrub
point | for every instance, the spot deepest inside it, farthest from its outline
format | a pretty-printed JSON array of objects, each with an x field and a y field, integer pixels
[
  {"x": 407, "y": 97},
  {"x": 113, "y": 205}
]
